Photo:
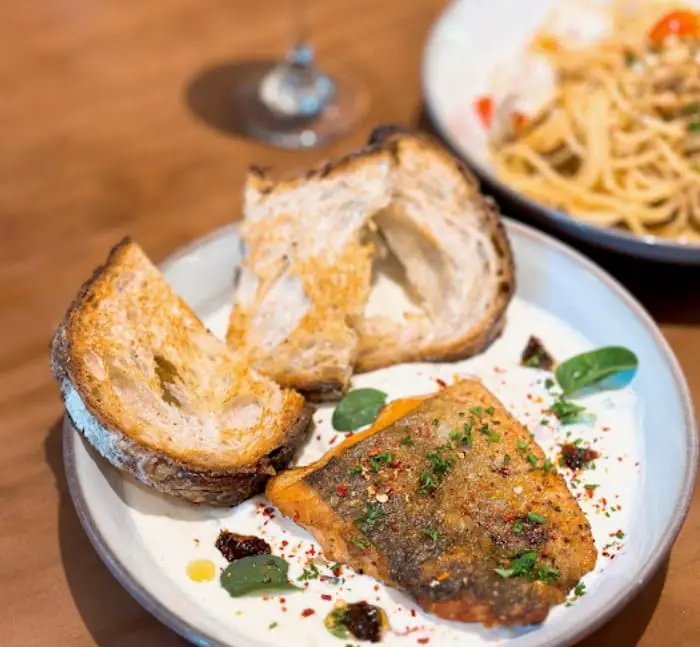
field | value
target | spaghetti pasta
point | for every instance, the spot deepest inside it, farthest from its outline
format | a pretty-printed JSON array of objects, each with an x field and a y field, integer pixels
[{"x": 619, "y": 143}]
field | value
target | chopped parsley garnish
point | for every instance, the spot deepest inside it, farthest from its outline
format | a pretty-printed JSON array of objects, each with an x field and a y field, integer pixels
[
  {"x": 580, "y": 589},
  {"x": 532, "y": 459},
  {"x": 458, "y": 437},
  {"x": 547, "y": 465},
  {"x": 568, "y": 412},
  {"x": 436, "y": 421},
  {"x": 518, "y": 526},
  {"x": 357, "y": 469},
  {"x": 590, "y": 486},
  {"x": 630, "y": 59},
  {"x": 477, "y": 411},
  {"x": 484, "y": 429},
  {"x": 369, "y": 519},
  {"x": 378, "y": 461},
  {"x": 694, "y": 126},
  {"x": 619, "y": 534},
  {"x": 427, "y": 482},
  {"x": 493, "y": 437},
  {"x": 548, "y": 383},
  {"x": 406, "y": 441},
  {"x": 272, "y": 625},
  {"x": 547, "y": 574},
  {"x": 525, "y": 565},
  {"x": 522, "y": 565},
  {"x": 360, "y": 543},
  {"x": 430, "y": 533},
  {"x": 489, "y": 410},
  {"x": 506, "y": 459},
  {"x": 544, "y": 422},
  {"x": 439, "y": 464},
  {"x": 461, "y": 414},
  {"x": 536, "y": 518},
  {"x": 310, "y": 573},
  {"x": 522, "y": 444}
]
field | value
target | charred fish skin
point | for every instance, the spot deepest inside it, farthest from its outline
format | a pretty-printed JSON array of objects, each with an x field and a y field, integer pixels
[{"x": 456, "y": 505}]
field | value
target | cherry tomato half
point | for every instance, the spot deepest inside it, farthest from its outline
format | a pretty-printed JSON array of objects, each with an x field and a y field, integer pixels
[{"x": 684, "y": 24}]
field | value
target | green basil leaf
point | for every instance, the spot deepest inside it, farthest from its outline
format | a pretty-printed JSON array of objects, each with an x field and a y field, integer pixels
[
  {"x": 357, "y": 409},
  {"x": 591, "y": 368},
  {"x": 256, "y": 573}
]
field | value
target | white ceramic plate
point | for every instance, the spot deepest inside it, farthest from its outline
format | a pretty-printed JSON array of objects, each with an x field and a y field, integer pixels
[
  {"x": 472, "y": 41},
  {"x": 645, "y": 475}
]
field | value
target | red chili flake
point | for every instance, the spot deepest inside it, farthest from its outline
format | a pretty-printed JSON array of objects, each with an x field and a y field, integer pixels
[
  {"x": 332, "y": 440},
  {"x": 423, "y": 641},
  {"x": 269, "y": 511},
  {"x": 283, "y": 600},
  {"x": 341, "y": 490},
  {"x": 394, "y": 526},
  {"x": 413, "y": 613},
  {"x": 603, "y": 500},
  {"x": 441, "y": 383},
  {"x": 376, "y": 587},
  {"x": 508, "y": 517},
  {"x": 318, "y": 436},
  {"x": 312, "y": 550},
  {"x": 325, "y": 596},
  {"x": 589, "y": 492},
  {"x": 284, "y": 609},
  {"x": 335, "y": 469},
  {"x": 605, "y": 428},
  {"x": 284, "y": 543},
  {"x": 307, "y": 612},
  {"x": 529, "y": 396}
]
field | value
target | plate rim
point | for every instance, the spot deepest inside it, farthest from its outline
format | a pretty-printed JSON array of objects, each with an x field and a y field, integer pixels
[
  {"x": 657, "y": 249},
  {"x": 198, "y": 637}
]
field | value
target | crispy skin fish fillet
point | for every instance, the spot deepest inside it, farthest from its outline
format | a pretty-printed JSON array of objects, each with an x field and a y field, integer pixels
[{"x": 452, "y": 489}]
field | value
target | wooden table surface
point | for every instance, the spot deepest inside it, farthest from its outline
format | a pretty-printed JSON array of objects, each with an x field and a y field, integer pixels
[{"x": 111, "y": 123}]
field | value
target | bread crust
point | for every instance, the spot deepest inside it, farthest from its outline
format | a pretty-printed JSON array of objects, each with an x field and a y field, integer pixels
[
  {"x": 492, "y": 323},
  {"x": 215, "y": 486}
]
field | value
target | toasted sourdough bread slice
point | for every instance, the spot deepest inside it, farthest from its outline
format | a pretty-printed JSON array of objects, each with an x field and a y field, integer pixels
[
  {"x": 305, "y": 280},
  {"x": 453, "y": 252},
  {"x": 425, "y": 502},
  {"x": 161, "y": 398}
]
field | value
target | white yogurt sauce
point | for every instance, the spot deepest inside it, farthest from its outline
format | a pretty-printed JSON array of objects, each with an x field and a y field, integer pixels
[{"x": 175, "y": 536}]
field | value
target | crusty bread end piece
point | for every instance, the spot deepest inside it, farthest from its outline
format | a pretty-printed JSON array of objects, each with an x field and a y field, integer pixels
[
  {"x": 453, "y": 252},
  {"x": 161, "y": 398}
]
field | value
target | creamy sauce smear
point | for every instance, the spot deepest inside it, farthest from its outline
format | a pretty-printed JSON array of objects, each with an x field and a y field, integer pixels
[{"x": 176, "y": 534}]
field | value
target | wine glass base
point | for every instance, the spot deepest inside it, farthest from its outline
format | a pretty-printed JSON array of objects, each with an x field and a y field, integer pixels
[{"x": 347, "y": 106}]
